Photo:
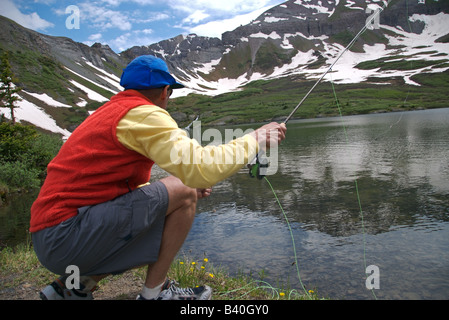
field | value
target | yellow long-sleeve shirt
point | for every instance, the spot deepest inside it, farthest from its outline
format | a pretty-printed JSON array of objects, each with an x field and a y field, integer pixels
[{"x": 152, "y": 132}]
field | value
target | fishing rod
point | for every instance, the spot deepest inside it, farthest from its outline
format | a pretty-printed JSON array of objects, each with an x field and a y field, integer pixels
[
  {"x": 191, "y": 123},
  {"x": 260, "y": 163},
  {"x": 369, "y": 21}
]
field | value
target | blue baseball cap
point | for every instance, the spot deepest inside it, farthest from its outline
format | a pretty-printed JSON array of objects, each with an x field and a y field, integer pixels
[{"x": 148, "y": 72}]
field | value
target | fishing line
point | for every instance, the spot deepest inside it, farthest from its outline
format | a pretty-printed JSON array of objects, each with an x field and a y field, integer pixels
[
  {"x": 369, "y": 21},
  {"x": 373, "y": 17},
  {"x": 291, "y": 234},
  {"x": 362, "y": 218},
  {"x": 296, "y": 262},
  {"x": 266, "y": 284},
  {"x": 409, "y": 90}
]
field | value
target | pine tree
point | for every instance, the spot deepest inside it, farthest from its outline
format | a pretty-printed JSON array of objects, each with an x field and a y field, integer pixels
[{"x": 7, "y": 88}]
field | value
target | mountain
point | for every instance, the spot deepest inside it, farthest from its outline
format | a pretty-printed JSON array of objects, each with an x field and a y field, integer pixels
[
  {"x": 303, "y": 37},
  {"x": 63, "y": 80}
]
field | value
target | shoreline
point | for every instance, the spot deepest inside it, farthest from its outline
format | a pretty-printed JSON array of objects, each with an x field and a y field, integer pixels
[{"x": 22, "y": 277}]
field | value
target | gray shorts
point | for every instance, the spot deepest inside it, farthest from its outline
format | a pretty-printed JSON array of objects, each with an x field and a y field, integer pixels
[{"x": 107, "y": 238}]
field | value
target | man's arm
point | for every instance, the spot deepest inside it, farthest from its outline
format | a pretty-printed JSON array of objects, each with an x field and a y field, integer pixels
[{"x": 150, "y": 131}]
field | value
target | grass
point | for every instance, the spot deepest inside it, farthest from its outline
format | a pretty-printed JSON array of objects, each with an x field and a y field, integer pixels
[
  {"x": 263, "y": 101},
  {"x": 19, "y": 266}
]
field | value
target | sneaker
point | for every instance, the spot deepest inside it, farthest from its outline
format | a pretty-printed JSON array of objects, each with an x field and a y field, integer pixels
[
  {"x": 171, "y": 291},
  {"x": 58, "y": 291}
]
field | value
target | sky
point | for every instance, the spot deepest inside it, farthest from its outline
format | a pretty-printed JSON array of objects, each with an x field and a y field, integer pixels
[{"x": 122, "y": 24}]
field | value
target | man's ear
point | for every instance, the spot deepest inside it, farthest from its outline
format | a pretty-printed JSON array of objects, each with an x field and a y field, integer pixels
[{"x": 164, "y": 93}]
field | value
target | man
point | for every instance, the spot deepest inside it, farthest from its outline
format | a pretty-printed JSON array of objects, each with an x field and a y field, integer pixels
[{"x": 96, "y": 209}]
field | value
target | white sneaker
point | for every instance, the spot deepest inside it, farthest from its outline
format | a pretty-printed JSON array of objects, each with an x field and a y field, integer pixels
[
  {"x": 170, "y": 291},
  {"x": 58, "y": 291}
]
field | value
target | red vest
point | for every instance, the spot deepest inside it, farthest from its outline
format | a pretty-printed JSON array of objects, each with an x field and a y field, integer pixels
[{"x": 92, "y": 167}]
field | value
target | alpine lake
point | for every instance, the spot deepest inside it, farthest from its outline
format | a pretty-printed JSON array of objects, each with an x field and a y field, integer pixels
[{"x": 358, "y": 192}]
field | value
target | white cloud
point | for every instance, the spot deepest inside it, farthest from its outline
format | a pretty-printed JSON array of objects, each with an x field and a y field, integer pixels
[
  {"x": 141, "y": 2},
  {"x": 213, "y": 18},
  {"x": 104, "y": 18},
  {"x": 217, "y": 28},
  {"x": 47, "y": 2},
  {"x": 95, "y": 37},
  {"x": 231, "y": 7},
  {"x": 134, "y": 38},
  {"x": 31, "y": 21},
  {"x": 156, "y": 16},
  {"x": 196, "y": 17}
]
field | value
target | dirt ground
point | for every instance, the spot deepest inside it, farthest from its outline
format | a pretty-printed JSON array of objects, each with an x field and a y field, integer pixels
[{"x": 126, "y": 287}]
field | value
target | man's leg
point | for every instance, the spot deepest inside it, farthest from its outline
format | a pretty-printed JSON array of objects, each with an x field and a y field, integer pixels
[
  {"x": 178, "y": 222},
  {"x": 180, "y": 216}
]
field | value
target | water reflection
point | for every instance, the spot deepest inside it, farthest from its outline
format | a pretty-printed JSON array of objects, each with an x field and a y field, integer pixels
[
  {"x": 397, "y": 177},
  {"x": 399, "y": 163}
]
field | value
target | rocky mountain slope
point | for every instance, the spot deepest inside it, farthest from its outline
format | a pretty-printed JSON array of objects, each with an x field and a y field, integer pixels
[
  {"x": 63, "y": 80},
  {"x": 303, "y": 37}
]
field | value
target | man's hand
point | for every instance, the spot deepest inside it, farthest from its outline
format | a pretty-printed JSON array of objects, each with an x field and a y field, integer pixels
[
  {"x": 203, "y": 193},
  {"x": 271, "y": 134}
]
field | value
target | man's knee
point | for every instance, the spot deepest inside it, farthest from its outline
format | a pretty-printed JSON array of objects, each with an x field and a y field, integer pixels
[
  {"x": 187, "y": 197},
  {"x": 180, "y": 196}
]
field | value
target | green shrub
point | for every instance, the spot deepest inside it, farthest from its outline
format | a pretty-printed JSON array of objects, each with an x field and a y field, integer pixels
[
  {"x": 24, "y": 156},
  {"x": 15, "y": 140},
  {"x": 17, "y": 175}
]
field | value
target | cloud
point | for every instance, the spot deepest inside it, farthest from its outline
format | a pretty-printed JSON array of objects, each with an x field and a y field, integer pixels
[
  {"x": 95, "y": 37},
  {"x": 133, "y": 38},
  {"x": 196, "y": 17},
  {"x": 229, "y": 7},
  {"x": 218, "y": 27},
  {"x": 103, "y": 15},
  {"x": 30, "y": 21},
  {"x": 47, "y": 2},
  {"x": 157, "y": 16},
  {"x": 103, "y": 18},
  {"x": 213, "y": 18}
]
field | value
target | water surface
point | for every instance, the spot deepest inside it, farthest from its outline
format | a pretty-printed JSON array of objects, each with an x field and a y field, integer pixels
[
  {"x": 399, "y": 164},
  {"x": 399, "y": 222}
]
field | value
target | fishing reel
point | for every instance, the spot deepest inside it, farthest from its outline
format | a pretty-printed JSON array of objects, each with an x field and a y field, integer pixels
[{"x": 258, "y": 167}]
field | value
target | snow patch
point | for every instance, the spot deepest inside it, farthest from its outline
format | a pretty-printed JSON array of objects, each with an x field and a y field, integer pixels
[
  {"x": 29, "y": 112},
  {"x": 90, "y": 93},
  {"x": 93, "y": 82},
  {"x": 48, "y": 100},
  {"x": 272, "y": 35}
]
